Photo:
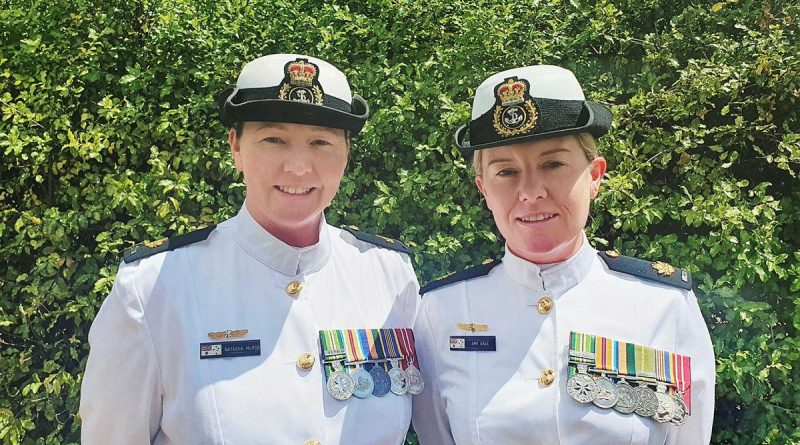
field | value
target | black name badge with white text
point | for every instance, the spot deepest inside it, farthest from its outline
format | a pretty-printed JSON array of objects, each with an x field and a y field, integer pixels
[
  {"x": 230, "y": 349},
  {"x": 473, "y": 343}
]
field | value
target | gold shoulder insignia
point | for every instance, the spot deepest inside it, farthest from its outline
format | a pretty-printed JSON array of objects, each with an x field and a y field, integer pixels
[
  {"x": 663, "y": 269},
  {"x": 154, "y": 244}
]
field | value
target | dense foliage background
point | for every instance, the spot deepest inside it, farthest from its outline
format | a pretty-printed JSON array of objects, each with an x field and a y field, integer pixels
[{"x": 109, "y": 138}]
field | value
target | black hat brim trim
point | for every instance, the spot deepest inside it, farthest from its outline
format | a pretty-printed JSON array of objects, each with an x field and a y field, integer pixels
[
  {"x": 295, "y": 112},
  {"x": 598, "y": 123}
]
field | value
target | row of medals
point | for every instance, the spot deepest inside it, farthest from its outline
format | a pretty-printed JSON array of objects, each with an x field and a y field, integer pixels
[
  {"x": 627, "y": 399},
  {"x": 362, "y": 383}
]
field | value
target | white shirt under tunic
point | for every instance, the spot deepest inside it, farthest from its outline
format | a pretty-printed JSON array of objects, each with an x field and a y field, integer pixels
[
  {"x": 495, "y": 398},
  {"x": 145, "y": 382}
]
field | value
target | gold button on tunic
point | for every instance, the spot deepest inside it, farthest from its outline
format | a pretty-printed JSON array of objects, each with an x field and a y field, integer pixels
[
  {"x": 305, "y": 361},
  {"x": 547, "y": 377},
  {"x": 544, "y": 305},
  {"x": 294, "y": 288}
]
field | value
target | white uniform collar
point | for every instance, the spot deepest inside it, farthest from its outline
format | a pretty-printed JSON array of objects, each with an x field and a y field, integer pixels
[
  {"x": 552, "y": 277},
  {"x": 278, "y": 255}
]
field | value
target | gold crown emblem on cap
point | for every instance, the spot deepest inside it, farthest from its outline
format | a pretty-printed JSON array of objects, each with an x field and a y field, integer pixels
[
  {"x": 511, "y": 92},
  {"x": 302, "y": 73}
]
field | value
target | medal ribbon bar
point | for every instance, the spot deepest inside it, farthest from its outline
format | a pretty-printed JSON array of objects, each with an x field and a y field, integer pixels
[
  {"x": 646, "y": 364},
  {"x": 407, "y": 347},
  {"x": 640, "y": 363},
  {"x": 683, "y": 368}
]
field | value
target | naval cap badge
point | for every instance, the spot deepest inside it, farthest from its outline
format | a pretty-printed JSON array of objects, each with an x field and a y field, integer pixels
[
  {"x": 300, "y": 82},
  {"x": 514, "y": 111}
]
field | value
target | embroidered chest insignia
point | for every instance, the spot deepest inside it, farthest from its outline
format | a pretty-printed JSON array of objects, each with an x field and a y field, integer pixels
[
  {"x": 473, "y": 327},
  {"x": 227, "y": 334},
  {"x": 514, "y": 112}
]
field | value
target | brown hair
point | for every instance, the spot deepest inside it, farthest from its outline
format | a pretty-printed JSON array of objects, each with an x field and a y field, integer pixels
[{"x": 587, "y": 141}]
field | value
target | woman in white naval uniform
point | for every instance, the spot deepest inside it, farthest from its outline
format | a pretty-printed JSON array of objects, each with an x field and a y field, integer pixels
[
  {"x": 495, "y": 341},
  {"x": 213, "y": 337}
]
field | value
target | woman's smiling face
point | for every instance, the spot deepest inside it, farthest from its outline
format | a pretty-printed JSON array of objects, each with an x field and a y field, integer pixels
[
  {"x": 291, "y": 173},
  {"x": 539, "y": 193}
]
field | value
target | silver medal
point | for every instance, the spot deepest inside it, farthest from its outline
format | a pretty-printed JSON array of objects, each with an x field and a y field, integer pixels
[
  {"x": 681, "y": 410},
  {"x": 646, "y": 401},
  {"x": 415, "y": 382},
  {"x": 340, "y": 384},
  {"x": 605, "y": 395},
  {"x": 363, "y": 383},
  {"x": 666, "y": 405},
  {"x": 626, "y": 398},
  {"x": 581, "y": 386},
  {"x": 383, "y": 384},
  {"x": 399, "y": 379}
]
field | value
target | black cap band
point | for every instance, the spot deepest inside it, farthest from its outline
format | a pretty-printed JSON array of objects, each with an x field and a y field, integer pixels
[
  {"x": 554, "y": 118},
  {"x": 254, "y": 94},
  {"x": 263, "y": 105}
]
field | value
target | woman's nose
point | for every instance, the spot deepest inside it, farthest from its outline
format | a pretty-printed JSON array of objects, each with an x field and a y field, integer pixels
[
  {"x": 298, "y": 162},
  {"x": 531, "y": 189}
]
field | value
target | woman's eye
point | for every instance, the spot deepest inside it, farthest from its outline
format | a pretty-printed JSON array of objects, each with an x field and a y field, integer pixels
[
  {"x": 553, "y": 164},
  {"x": 320, "y": 142},
  {"x": 273, "y": 140},
  {"x": 506, "y": 172}
]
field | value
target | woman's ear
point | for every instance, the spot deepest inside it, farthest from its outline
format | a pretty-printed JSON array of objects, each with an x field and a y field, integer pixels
[
  {"x": 479, "y": 184},
  {"x": 597, "y": 169},
  {"x": 482, "y": 188},
  {"x": 233, "y": 142}
]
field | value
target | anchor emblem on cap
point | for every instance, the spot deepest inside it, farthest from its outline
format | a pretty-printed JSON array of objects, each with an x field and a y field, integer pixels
[
  {"x": 300, "y": 83},
  {"x": 515, "y": 113}
]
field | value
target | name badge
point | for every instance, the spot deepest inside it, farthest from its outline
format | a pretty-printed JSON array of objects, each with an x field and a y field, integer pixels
[
  {"x": 473, "y": 343},
  {"x": 230, "y": 349}
]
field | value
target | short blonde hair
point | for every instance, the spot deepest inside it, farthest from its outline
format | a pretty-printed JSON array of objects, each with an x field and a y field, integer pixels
[{"x": 587, "y": 141}]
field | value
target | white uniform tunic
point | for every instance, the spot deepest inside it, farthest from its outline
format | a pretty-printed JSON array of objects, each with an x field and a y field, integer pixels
[
  {"x": 495, "y": 398},
  {"x": 145, "y": 381}
]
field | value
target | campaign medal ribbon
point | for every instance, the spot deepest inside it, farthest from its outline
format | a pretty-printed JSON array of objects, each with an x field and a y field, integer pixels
[
  {"x": 581, "y": 386},
  {"x": 377, "y": 355},
  {"x": 340, "y": 384},
  {"x": 332, "y": 349},
  {"x": 625, "y": 364},
  {"x": 683, "y": 382},
  {"x": 605, "y": 395},
  {"x": 645, "y": 372},
  {"x": 357, "y": 353},
  {"x": 581, "y": 347},
  {"x": 416, "y": 384},
  {"x": 666, "y": 408},
  {"x": 396, "y": 374}
]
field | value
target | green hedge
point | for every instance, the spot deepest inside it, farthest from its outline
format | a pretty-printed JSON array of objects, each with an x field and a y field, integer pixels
[{"x": 108, "y": 138}]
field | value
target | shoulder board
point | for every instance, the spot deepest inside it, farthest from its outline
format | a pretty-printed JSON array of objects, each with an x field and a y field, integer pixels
[
  {"x": 145, "y": 250},
  {"x": 658, "y": 271},
  {"x": 466, "y": 274},
  {"x": 378, "y": 240}
]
